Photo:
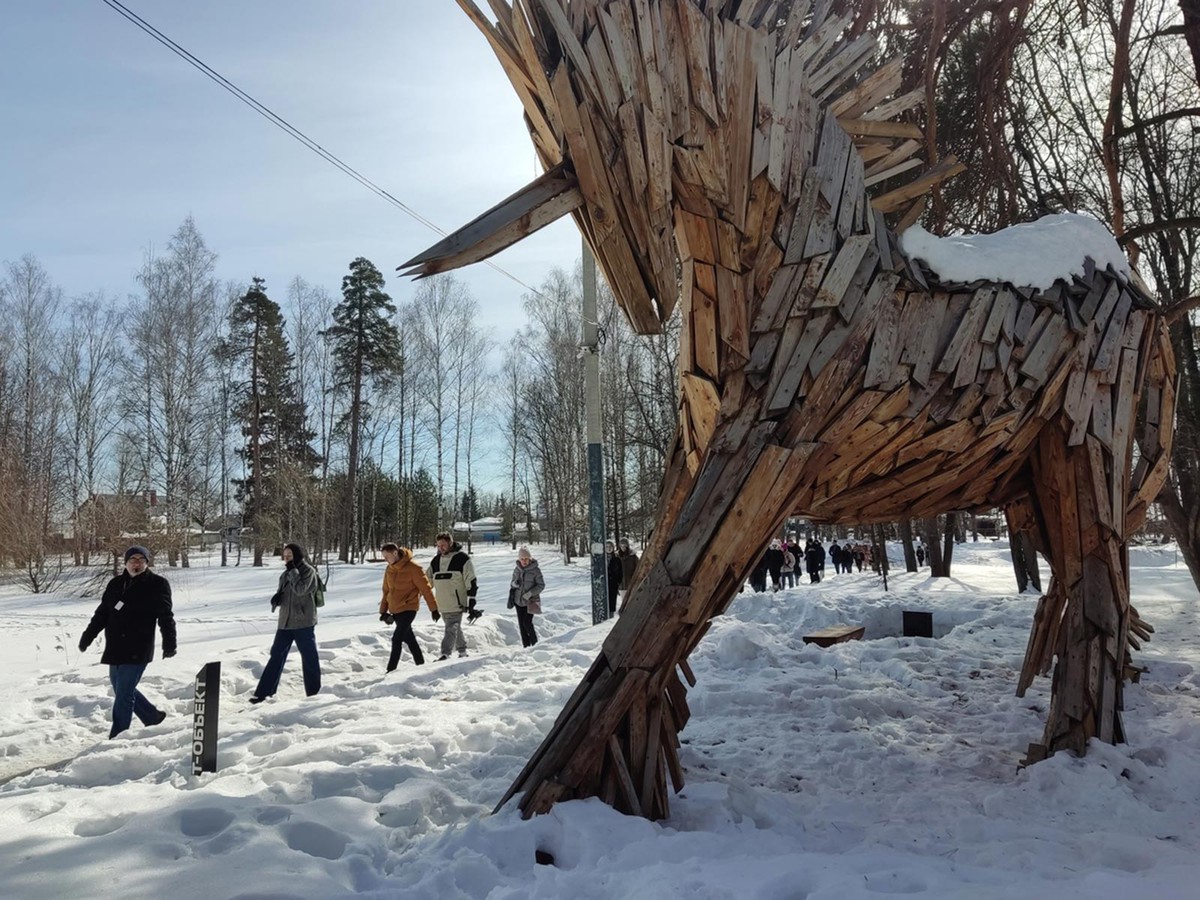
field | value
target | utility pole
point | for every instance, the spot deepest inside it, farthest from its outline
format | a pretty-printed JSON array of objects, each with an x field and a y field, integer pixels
[{"x": 595, "y": 452}]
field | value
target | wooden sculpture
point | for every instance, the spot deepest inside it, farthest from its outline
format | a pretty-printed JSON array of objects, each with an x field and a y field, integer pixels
[{"x": 717, "y": 153}]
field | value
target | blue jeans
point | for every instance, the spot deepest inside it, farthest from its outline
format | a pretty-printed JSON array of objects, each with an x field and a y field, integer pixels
[
  {"x": 306, "y": 642},
  {"x": 128, "y": 701}
]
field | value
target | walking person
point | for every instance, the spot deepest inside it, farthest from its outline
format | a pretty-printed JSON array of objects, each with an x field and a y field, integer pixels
[
  {"x": 835, "y": 557},
  {"x": 453, "y": 577},
  {"x": 758, "y": 575},
  {"x": 404, "y": 584},
  {"x": 525, "y": 595},
  {"x": 296, "y": 601},
  {"x": 616, "y": 574},
  {"x": 814, "y": 556},
  {"x": 133, "y": 603},
  {"x": 629, "y": 564},
  {"x": 774, "y": 557},
  {"x": 786, "y": 571}
]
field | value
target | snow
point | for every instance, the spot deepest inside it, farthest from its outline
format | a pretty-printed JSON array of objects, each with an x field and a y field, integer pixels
[
  {"x": 881, "y": 766},
  {"x": 1033, "y": 254}
]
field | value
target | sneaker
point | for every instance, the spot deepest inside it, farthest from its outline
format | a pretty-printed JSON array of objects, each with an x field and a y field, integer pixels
[
  {"x": 257, "y": 699},
  {"x": 443, "y": 657},
  {"x": 462, "y": 653}
]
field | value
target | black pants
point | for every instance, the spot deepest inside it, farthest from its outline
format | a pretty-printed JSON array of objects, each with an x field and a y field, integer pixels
[
  {"x": 404, "y": 635},
  {"x": 525, "y": 624},
  {"x": 612, "y": 599}
]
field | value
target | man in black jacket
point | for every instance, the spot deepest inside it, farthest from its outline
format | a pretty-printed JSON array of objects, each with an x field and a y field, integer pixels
[
  {"x": 133, "y": 603},
  {"x": 616, "y": 575}
]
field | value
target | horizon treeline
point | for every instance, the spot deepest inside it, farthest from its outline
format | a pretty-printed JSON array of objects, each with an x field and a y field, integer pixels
[{"x": 200, "y": 408}]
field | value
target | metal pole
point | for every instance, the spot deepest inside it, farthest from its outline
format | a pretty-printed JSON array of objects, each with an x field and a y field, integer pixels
[{"x": 595, "y": 453}]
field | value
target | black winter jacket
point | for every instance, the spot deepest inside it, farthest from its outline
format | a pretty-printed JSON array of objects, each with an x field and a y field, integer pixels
[{"x": 128, "y": 612}]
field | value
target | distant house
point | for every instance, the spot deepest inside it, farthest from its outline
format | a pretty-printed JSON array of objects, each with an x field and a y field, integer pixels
[
  {"x": 491, "y": 528},
  {"x": 106, "y": 517}
]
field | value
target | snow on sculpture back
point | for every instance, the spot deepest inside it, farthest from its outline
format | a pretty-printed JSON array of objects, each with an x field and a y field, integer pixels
[{"x": 823, "y": 371}]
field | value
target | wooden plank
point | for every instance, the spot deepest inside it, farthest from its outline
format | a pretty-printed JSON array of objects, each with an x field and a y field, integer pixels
[
  {"x": 667, "y": 737},
  {"x": 895, "y": 107},
  {"x": 703, "y": 403},
  {"x": 967, "y": 331},
  {"x": 616, "y": 23},
  {"x": 870, "y": 91},
  {"x": 837, "y": 278},
  {"x": 606, "y": 77},
  {"x": 650, "y": 766},
  {"x": 903, "y": 152},
  {"x": 872, "y": 128},
  {"x": 697, "y": 37},
  {"x": 892, "y": 172},
  {"x": 853, "y": 197},
  {"x": 885, "y": 345},
  {"x": 731, "y": 293},
  {"x": 616, "y": 757},
  {"x": 1102, "y": 416},
  {"x": 894, "y": 200},
  {"x": 1110, "y": 343},
  {"x": 778, "y": 107},
  {"x": 835, "y": 634},
  {"x": 536, "y": 205},
  {"x": 833, "y": 154},
  {"x": 1049, "y": 345},
  {"x": 922, "y": 361}
]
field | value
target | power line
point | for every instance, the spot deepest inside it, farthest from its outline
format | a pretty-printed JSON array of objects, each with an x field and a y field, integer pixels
[{"x": 285, "y": 126}]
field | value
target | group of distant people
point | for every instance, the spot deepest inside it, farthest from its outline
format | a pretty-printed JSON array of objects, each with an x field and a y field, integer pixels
[
  {"x": 137, "y": 601},
  {"x": 783, "y": 561}
]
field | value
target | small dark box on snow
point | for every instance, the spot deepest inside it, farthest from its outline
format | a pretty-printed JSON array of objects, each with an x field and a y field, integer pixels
[{"x": 918, "y": 624}]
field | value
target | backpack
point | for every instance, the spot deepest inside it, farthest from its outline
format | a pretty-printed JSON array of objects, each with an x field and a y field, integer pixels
[{"x": 320, "y": 598}]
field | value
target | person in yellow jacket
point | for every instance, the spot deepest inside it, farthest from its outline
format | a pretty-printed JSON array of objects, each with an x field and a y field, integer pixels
[{"x": 404, "y": 584}]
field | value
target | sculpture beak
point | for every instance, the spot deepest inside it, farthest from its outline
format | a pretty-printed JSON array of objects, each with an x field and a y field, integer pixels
[{"x": 535, "y": 206}]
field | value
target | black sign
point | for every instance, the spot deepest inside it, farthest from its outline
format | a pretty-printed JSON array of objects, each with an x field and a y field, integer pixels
[{"x": 204, "y": 719}]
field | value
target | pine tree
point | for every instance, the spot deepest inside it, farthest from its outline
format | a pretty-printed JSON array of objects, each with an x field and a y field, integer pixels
[
  {"x": 278, "y": 444},
  {"x": 366, "y": 351}
]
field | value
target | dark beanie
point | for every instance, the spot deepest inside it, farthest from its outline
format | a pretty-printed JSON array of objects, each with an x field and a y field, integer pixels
[
  {"x": 297, "y": 552},
  {"x": 136, "y": 550}
]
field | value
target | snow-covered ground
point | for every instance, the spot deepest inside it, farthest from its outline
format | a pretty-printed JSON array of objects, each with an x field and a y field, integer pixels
[{"x": 883, "y": 766}]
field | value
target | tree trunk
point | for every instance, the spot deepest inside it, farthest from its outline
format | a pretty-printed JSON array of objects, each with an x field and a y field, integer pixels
[
  {"x": 933, "y": 546},
  {"x": 906, "y": 539},
  {"x": 953, "y": 524}
]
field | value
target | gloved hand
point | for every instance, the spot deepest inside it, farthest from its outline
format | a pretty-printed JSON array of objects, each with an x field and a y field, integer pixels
[
  {"x": 473, "y": 614},
  {"x": 84, "y": 643},
  {"x": 436, "y": 615},
  {"x": 387, "y": 618},
  {"x": 276, "y": 599},
  {"x": 167, "y": 654}
]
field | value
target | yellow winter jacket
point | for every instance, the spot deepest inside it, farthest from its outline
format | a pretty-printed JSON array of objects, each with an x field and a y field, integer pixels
[{"x": 404, "y": 584}]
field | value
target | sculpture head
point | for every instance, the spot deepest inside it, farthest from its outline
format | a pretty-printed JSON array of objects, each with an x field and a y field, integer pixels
[{"x": 672, "y": 132}]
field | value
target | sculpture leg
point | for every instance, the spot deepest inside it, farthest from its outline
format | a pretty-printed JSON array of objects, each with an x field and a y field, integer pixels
[
  {"x": 1083, "y": 621},
  {"x": 617, "y": 736}
]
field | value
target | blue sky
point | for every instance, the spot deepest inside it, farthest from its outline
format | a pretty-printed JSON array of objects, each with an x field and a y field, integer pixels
[{"x": 109, "y": 141}]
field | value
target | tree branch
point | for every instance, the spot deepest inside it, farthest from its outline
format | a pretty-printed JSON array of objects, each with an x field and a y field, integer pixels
[
  {"x": 1155, "y": 227},
  {"x": 1179, "y": 309},
  {"x": 1184, "y": 113}
]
